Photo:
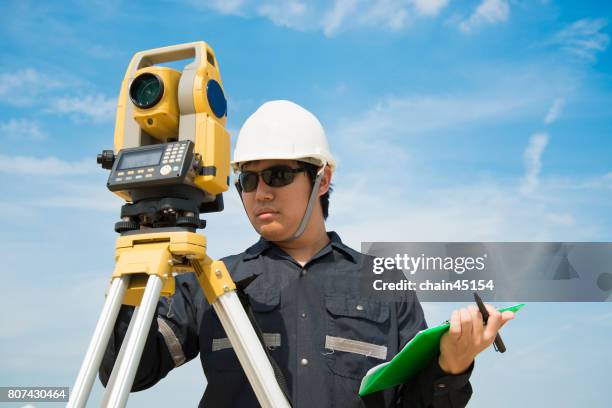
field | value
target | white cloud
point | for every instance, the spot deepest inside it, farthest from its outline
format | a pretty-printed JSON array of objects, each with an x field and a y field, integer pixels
[
  {"x": 487, "y": 12},
  {"x": 401, "y": 200},
  {"x": 429, "y": 7},
  {"x": 335, "y": 17},
  {"x": 25, "y": 87},
  {"x": 331, "y": 18},
  {"x": 47, "y": 166},
  {"x": 602, "y": 182},
  {"x": 554, "y": 111},
  {"x": 22, "y": 130},
  {"x": 533, "y": 161},
  {"x": 583, "y": 38},
  {"x": 59, "y": 184},
  {"x": 478, "y": 211},
  {"x": 416, "y": 115},
  {"x": 390, "y": 14},
  {"x": 97, "y": 108},
  {"x": 288, "y": 13},
  {"x": 31, "y": 88},
  {"x": 230, "y": 7},
  {"x": 495, "y": 98}
]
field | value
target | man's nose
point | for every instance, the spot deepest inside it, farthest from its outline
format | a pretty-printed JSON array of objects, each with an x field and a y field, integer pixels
[{"x": 263, "y": 191}]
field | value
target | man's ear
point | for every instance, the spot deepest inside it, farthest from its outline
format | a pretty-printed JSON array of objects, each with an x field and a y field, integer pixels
[{"x": 325, "y": 181}]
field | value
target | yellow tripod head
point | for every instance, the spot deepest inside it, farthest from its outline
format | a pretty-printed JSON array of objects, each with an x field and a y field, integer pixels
[{"x": 171, "y": 149}]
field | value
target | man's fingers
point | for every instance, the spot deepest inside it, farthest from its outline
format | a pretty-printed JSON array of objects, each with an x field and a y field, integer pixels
[
  {"x": 477, "y": 325},
  {"x": 493, "y": 324},
  {"x": 466, "y": 325},
  {"x": 506, "y": 317},
  {"x": 455, "y": 325}
]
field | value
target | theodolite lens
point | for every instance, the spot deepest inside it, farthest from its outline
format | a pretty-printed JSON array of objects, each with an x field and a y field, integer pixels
[{"x": 146, "y": 90}]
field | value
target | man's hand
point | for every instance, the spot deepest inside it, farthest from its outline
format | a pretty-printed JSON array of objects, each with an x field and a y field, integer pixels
[{"x": 467, "y": 337}]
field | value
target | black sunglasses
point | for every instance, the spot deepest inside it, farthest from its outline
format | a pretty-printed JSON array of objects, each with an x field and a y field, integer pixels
[{"x": 275, "y": 176}]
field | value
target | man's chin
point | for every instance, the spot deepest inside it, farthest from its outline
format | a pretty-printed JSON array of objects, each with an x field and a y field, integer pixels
[{"x": 273, "y": 232}]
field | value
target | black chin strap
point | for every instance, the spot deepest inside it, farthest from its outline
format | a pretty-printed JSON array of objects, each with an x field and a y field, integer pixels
[{"x": 311, "y": 200}]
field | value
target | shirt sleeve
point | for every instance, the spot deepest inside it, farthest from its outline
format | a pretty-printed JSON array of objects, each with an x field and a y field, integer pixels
[
  {"x": 172, "y": 339},
  {"x": 432, "y": 387}
]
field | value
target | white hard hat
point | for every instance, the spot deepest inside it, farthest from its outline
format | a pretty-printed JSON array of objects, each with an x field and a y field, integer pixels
[{"x": 282, "y": 130}]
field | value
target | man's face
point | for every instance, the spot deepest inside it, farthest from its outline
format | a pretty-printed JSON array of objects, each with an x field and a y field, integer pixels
[{"x": 276, "y": 212}]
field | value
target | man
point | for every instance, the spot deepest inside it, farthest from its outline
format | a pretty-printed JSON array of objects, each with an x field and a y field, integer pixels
[{"x": 323, "y": 333}]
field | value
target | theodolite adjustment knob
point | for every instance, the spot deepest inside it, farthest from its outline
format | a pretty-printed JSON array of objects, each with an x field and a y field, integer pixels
[
  {"x": 124, "y": 226},
  {"x": 190, "y": 222}
]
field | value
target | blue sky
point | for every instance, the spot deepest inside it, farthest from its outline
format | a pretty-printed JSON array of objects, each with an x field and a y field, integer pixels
[{"x": 451, "y": 121}]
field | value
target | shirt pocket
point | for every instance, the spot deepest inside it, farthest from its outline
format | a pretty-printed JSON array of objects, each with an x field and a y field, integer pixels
[
  {"x": 219, "y": 354},
  {"x": 357, "y": 335}
]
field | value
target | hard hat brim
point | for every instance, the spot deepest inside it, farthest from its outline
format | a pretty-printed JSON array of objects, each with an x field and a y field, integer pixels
[{"x": 318, "y": 160}]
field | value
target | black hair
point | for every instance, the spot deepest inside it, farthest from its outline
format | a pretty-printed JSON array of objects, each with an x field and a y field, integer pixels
[{"x": 312, "y": 170}]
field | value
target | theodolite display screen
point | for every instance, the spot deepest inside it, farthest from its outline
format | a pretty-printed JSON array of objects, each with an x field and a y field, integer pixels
[
  {"x": 140, "y": 159},
  {"x": 151, "y": 165}
]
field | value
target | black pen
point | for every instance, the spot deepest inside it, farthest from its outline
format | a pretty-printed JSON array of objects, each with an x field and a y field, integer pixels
[{"x": 498, "y": 343}]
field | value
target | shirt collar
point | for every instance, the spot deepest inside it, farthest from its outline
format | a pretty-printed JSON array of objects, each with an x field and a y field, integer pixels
[
  {"x": 263, "y": 245},
  {"x": 257, "y": 249},
  {"x": 337, "y": 243}
]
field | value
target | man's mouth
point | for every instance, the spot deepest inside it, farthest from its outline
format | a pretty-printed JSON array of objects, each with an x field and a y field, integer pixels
[{"x": 265, "y": 213}]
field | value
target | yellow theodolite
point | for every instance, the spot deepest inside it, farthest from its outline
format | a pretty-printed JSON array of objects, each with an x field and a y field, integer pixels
[{"x": 170, "y": 163}]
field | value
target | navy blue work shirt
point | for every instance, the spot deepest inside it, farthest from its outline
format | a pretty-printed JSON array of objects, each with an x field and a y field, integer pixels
[{"x": 323, "y": 334}]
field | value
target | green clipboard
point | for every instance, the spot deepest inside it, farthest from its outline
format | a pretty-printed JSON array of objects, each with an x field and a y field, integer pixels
[{"x": 413, "y": 358}]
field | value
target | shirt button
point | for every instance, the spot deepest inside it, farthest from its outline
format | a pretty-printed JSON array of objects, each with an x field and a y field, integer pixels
[
  {"x": 303, "y": 315},
  {"x": 441, "y": 385},
  {"x": 304, "y": 362},
  {"x": 303, "y": 272},
  {"x": 359, "y": 307}
]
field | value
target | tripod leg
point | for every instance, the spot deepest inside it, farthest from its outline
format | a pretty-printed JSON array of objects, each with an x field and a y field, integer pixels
[
  {"x": 95, "y": 351},
  {"x": 220, "y": 291},
  {"x": 128, "y": 366},
  {"x": 252, "y": 357},
  {"x": 113, "y": 377}
]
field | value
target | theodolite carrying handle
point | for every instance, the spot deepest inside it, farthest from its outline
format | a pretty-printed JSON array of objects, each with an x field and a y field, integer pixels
[{"x": 196, "y": 50}]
